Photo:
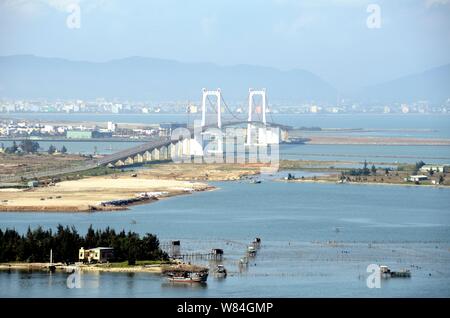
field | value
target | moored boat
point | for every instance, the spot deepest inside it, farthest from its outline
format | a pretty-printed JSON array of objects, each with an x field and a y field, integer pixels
[
  {"x": 186, "y": 274},
  {"x": 220, "y": 271},
  {"x": 251, "y": 250},
  {"x": 256, "y": 242},
  {"x": 386, "y": 272},
  {"x": 187, "y": 277}
]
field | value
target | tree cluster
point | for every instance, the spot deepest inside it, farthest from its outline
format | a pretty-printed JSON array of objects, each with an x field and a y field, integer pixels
[{"x": 65, "y": 242}]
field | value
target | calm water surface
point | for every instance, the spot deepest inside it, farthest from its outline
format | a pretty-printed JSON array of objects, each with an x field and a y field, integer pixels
[
  {"x": 317, "y": 238},
  {"x": 317, "y": 241}
]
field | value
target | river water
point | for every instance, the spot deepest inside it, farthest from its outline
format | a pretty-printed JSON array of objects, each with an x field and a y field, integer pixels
[{"x": 317, "y": 239}]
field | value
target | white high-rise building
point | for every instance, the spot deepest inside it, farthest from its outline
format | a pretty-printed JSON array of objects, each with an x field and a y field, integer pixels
[
  {"x": 314, "y": 109},
  {"x": 111, "y": 126},
  {"x": 405, "y": 108}
]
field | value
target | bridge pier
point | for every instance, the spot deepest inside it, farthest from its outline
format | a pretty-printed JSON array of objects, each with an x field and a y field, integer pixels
[
  {"x": 138, "y": 158},
  {"x": 129, "y": 161},
  {"x": 147, "y": 156},
  {"x": 172, "y": 151},
  {"x": 163, "y": 153},
  {"x": 155, "y": 154},
  {"x": 186, "y": 147}
]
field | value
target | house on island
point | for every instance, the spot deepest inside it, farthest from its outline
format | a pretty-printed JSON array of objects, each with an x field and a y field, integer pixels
[
  {"x": 96, "y": 255},
  {"x": 416, "y": 178}
]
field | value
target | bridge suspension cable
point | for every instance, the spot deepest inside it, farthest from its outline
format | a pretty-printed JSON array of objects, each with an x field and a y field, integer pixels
[
  {"x": 229, "y": 110},
  {"x": 211, "y": 104},
  {"x": 270, "y": 113}
]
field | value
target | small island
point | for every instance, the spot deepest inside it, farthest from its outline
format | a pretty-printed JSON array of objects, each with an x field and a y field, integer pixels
[
  {"x": 98, "y": 250},
  {"x": 418, "y": 174}
]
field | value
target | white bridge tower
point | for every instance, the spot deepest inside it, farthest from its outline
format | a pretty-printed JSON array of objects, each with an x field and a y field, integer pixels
[
  {"x": 251, "y": 94},
  {"x": 216, "y": 93}
]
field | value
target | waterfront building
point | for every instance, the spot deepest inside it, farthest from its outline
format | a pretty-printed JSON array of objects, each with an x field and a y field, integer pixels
[
  {"x": 314, "y": 109},
  {"x": 112, "y": 126},
  {"x": 97, "y": 255},
  {"x": 435, "y": 168},
  {"x": 417, "y": 178}
]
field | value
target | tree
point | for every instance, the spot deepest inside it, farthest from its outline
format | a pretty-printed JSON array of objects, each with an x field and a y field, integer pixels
[
  {"x": 29, "y": 146},
  {"x": 35, "y": 245},
  {"x": 51, "y": 149},
  {"x": 13, "y": 148},
  {"x": 441, "y": 179},
  {"x": 365, "y": 170},
  {"x": 430, "y": 172},
  {"x": 63, "y": 149},
  {"x": 419, "y": 164},
  {"x": 373, "y": 170}
]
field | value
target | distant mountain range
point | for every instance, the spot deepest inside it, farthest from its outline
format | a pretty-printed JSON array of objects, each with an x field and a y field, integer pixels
[
  {"x": 139, "y": 78},
  {"x": 432, "y": 85}
]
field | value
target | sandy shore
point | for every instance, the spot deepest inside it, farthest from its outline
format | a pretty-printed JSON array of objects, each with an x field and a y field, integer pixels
[
  {"x": 109, "y": 268},
  {"x": 88, "y": 194},
  {"x": 85, "y": 268},
  {"x": 96, "y": 193}
]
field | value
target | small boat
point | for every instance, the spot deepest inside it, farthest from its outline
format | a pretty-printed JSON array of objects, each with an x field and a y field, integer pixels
[
  {"x": 188, "y": 277},
  {"x": 220, "y": 271},
  {"x": 386, "y": 272},
  {"x": 256, "y": 181},
  {"x": 251, "y": 251},
  {"x": 243, "y": 261},
  {"x": 256, "y": 242},
  {"x": 187, "y": 274}
]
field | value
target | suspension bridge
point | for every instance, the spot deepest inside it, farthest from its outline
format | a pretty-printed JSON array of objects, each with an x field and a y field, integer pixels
[
  {"x": 185, "y": 143},
  {"x": 259, "y": 131}
]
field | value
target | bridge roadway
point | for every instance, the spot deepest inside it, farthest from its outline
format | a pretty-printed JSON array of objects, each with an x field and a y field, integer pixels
[{"x": 131, "y": 152}]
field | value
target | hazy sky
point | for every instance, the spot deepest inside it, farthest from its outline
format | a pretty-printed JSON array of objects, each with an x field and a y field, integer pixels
[{"x": 327, "y": 37}]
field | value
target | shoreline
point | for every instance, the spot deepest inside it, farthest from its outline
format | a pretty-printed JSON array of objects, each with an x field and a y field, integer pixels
[
  {"x": 96, "y": 194},
  {"x": 92, "y": 209},
  {"x": 156, "y": 269},
  {"x": 118, "y": 192},
  {"x": 365, "y": 183}
]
